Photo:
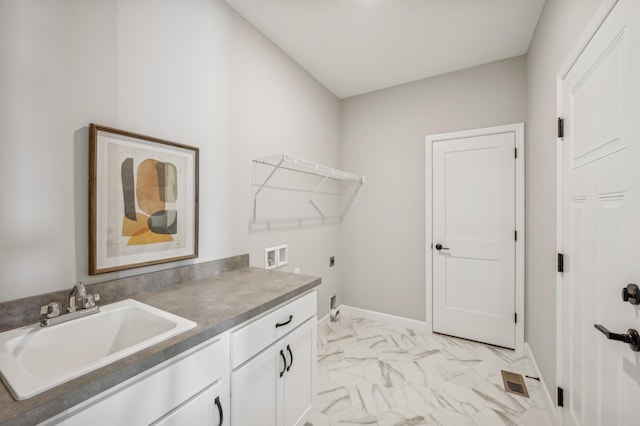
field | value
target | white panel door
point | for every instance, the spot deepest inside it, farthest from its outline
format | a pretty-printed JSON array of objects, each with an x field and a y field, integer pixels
[
  {"x": 600, "y": 205},
  {"x": 473, "y": 215}
]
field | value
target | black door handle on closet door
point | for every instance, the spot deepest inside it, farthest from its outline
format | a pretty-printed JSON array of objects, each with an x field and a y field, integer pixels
[
  {"x": 285, "y": 363},
  {"x": 291, "y": 356},
  {"x": 440, "y": 247}
]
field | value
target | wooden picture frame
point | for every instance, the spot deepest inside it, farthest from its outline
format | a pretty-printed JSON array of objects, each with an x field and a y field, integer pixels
[{"x": 143, "y": 200}]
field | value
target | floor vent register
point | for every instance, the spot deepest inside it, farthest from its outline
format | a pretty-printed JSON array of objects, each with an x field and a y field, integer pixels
[{"x": 514, "y": 383}]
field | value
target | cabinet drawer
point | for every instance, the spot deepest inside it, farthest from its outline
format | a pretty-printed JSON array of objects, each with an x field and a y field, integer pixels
[
  {"x": 208, "y": 408},
  {"x": 143, "y": 399},
  {"x": 252, "y": 338}
]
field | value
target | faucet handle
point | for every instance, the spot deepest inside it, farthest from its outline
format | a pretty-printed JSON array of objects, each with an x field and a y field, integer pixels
[
  {"x": 90, "y": 300},
  {"x": 51, "y": 310}
]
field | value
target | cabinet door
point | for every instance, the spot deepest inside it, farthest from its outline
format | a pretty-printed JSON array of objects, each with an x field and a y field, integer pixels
[
  {"x": 208, "y": 408},
  {"x": 300, "y": 376},
  {"x": 150, "y": 396},
  {"x": 253, "y": 390}
]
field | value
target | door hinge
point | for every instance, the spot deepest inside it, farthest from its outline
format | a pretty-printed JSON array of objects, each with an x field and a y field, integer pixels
[
  {"x": 560, "y": 397},
  {"x": 560, "y": 262},
  {"x": 515, "y": 317},
  {"x": 516, "y": 152},
  {"x": 560, "y": 127},
  {"x": 515, "y": 235}
]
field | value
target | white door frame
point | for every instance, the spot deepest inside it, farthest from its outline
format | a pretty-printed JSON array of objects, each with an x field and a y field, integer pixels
[
  {"x": 518, "y": 129},
  {"x": 593, "y": 26}
]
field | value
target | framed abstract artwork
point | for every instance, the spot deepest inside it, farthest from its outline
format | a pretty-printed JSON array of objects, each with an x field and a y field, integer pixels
[{"x": 143, "y": 200}]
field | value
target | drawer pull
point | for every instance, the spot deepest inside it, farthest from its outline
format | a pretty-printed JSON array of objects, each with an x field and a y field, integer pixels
[
  {"x": 291, "y": 355},
  {"x": 285, "y": 363},
  {"x": 281, "y": 324},
  {"x": 217, "y": 401}
]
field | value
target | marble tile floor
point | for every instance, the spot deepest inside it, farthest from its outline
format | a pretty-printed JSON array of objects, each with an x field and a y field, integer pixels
[{"x": 377, "y": 374}]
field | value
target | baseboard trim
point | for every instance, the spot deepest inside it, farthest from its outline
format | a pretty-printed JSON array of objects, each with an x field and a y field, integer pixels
[
  {"x": 383, "y": 318},
  {"x": 549, "y": 402},
  {"x": 323, "y": 321}
]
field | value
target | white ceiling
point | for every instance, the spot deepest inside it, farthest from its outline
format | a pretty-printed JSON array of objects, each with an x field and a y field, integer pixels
[{"x": 358, "y": 46}]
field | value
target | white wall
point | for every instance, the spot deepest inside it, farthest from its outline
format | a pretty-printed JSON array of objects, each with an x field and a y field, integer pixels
[
  {"x": 276, "y": 107},
  {"x": 383, "y": 138},
  {"x": 189, "y": 71},
  {"x": 561, "y": 23}
]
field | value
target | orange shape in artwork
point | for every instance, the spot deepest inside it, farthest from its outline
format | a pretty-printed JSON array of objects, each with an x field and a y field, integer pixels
[
  {"x": 149, "y": 237},
  {"x": 135, "y": 227},
  {"x": 148, "y": 187}
]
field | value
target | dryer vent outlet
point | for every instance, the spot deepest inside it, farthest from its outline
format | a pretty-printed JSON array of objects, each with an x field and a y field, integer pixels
[{"x": 333, "y": 312}]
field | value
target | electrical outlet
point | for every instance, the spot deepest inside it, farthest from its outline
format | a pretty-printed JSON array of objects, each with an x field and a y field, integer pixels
[
  {"x": 333, "y": 312},
  {"x": 332, "y": 261}
]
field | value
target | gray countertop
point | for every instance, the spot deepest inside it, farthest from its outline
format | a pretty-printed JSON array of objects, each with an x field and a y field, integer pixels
[{"x": 216, "y": 304}]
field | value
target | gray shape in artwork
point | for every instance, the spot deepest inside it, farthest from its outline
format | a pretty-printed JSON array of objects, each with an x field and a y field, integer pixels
[
  {"x": 164, "y": 222},
  {"x": 167, "y": 181},
  {"x": 128, "y": 189}
]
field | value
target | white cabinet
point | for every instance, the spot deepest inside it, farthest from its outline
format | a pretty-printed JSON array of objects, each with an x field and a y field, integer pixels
[
  {"x": 151, "y": 396},
  {"x": 253, "y": 386},
  {"x": 276, "y": 386},
  {"x": 204, "y": 409},
  {"x": 297, "y": 385},
  {"x": 255, "y": 335},
  {"x": 269, "y": 363}
]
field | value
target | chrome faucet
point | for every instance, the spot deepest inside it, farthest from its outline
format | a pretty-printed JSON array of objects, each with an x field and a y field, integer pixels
[
  {"x": 51, "y": 314},
  {"x": 78, "y": 290}
]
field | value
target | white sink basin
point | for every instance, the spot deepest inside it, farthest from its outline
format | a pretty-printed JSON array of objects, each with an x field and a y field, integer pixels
[{"x": 34, "y": 359}]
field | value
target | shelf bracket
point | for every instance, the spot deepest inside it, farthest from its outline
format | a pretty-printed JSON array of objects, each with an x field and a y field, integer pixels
[
  {"x": 255, "y": 196},
  {"x": 313, "y": 192}
]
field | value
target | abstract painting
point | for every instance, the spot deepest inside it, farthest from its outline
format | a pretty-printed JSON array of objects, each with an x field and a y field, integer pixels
[{"x": 143, "y": 200}]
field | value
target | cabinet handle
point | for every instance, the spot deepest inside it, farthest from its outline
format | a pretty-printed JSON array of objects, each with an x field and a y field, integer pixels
[
  {"x": 291, "y": 355},
  {"x": 285, "y": 363},
  {"x": 280, "y": 324},
  {"x": 217, "y": 401}
]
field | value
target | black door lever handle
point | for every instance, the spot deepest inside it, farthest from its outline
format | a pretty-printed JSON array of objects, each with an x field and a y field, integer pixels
[
  {"x": 440, "y": 247},
  {"x": 632, "y": 338}
]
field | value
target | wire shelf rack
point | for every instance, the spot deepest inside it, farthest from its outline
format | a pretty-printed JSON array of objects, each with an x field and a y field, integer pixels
[{"x": 287, "y": 190}]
